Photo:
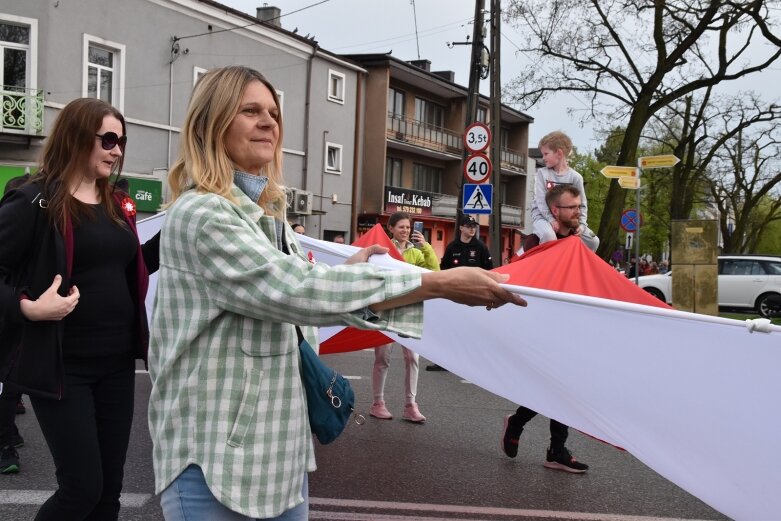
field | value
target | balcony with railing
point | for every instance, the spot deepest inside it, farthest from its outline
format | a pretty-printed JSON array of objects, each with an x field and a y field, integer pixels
[
  {"x": 512, "y": 215},
  {"x": 412, "y": 132},
  {"x": 514, "y": 160},
  {"x": 22, "y": 111}
]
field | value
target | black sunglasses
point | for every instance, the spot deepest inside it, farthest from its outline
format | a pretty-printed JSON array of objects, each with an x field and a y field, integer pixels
[{"x": 109, "y": 140}]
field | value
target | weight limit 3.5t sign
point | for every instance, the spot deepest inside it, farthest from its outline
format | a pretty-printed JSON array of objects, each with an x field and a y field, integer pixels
[{"x": 477, "y": 137}]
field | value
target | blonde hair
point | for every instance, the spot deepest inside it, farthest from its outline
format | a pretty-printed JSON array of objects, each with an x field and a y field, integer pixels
[
  {"x": 557, "y": 140},
  {"x": 203, "y": 160}
]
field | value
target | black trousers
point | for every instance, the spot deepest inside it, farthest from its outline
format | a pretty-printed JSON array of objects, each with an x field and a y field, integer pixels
[
  {"x": 88, "y": 432},
  {"x": 558, "y": 431},
  {"x": 8, "y": 401}
]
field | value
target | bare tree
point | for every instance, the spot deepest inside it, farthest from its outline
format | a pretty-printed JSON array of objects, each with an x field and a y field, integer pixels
[
  {"x": 632, "y": 58},
  {"x": 696, "y": 129},
  {"x": 744, "y": 183}
]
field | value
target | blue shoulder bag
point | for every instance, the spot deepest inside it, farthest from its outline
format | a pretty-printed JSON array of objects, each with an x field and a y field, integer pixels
[{"x": 330, "y": 398}]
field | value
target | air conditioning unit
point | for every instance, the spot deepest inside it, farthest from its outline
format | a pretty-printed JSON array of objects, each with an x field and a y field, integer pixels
[
  {"x": 290, "y": 197},
  {"x": 302, "y": 202}
]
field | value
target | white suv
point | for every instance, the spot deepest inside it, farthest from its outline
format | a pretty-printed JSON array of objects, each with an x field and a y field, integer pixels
[{"x": 745, "y": 282}]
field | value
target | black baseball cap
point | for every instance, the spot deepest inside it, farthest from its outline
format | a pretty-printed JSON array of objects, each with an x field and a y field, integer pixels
[{"x": 468, "y": 220}]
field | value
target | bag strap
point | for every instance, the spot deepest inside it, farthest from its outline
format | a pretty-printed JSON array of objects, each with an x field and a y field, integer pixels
[
  {"x": 282, "y": 244},
  {"x": 300, "y": 335}
]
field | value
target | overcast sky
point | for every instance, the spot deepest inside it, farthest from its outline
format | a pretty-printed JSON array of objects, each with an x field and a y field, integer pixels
[{"x": 379, "y": 26}]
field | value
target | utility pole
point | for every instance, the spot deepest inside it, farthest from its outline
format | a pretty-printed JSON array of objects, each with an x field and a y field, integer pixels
[
  {"x": 496, "y": 135},
  {"x": 473, "y": 94}
]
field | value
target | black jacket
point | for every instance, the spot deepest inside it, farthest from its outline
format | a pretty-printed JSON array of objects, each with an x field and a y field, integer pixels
[
  {"x": 472, "y": 253},
  {"x": 32, "y": 252}
]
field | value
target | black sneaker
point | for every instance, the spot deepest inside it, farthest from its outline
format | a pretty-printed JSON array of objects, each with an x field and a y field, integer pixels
[
  {"x": 20, "y": 408},
  {"x": 17, "y": 439},
  {"x": 563, "y": 460},
  {"x": 9, "y": 460},
  {"x": 509, "y": 443},
  {"x": 435, "y": 367}
]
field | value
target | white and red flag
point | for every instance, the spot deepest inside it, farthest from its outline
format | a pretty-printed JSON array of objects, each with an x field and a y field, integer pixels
[{"x": 696, "y": 398}]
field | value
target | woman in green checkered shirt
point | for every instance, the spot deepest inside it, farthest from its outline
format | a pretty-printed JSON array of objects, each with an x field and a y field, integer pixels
[{"x": 227, "y": 412}]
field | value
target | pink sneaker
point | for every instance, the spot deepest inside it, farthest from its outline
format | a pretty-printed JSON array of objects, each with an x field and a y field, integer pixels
[
  {"x": 412, "y": 414},
  {"x": 380, "y": 411}
]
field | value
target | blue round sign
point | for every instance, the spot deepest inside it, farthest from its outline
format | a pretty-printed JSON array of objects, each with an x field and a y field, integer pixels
[{"x": 629, "y": 221}]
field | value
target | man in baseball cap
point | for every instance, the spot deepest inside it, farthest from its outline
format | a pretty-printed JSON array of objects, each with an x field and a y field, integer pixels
[{"x": 468, "y": 220}]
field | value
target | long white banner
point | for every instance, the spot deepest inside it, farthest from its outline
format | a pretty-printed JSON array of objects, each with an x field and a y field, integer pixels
[{"x": 695, "y": 398}]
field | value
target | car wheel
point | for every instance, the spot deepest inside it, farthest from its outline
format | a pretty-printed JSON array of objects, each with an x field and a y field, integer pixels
[
  {"x": 764, "y": 305},
  {"x": 656, "y": 293}
]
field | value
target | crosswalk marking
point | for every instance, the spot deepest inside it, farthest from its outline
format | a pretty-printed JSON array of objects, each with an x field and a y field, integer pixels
[
  {"x": 432, "y": 510},
  {"x": 38, "y": 497},
  {"x": 407, "y": 511}
]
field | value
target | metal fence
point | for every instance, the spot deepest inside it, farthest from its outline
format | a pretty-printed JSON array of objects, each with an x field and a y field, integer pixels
[
  {"x": 424, "y": 135},
  {"x": 22, "y": 110}
]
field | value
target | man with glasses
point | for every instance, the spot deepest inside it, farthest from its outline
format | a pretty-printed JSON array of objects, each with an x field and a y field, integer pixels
[
  {"x": 565, "y": 205},
  {"x": 564, "y": 202}
]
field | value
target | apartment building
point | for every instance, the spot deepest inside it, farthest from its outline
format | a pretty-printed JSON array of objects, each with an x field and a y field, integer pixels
[
  {"x": 413, "y": 149},
  {"x": 144, "y": 56}
]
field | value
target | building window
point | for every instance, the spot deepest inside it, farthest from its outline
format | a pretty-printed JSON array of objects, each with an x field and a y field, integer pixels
[
  {"x": 281, "y": 97},
  {"x": 197, "y": 73},
  {"x": 15, "y": 49},
  {"x": 505, "y": 139},
  {"x": 429, "y": 113},
  {"x": 100, "y": 75},
  {"x": 427, "y": 178},
  {"x": 393, "y": 171},
  {"x": 482, "y": 115},
  {"x": 333, "y": 158},
  {"x": 335, "y": 86},
  {"x": 103, "y": 70},
  {"x": 22, "y": 108},
  {"x": 396, "y": 102}
]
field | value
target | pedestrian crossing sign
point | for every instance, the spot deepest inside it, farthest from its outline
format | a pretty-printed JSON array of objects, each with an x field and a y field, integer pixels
[{"x": 477, "y": 198}]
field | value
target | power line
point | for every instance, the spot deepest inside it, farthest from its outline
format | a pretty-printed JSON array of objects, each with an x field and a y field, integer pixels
[
  {"x": 177, "y": 38},
  {"x": 405, "y": 37}
]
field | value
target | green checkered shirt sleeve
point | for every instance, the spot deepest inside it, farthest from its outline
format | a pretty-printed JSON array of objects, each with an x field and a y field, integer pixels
[{"x": 247, "y": 275}]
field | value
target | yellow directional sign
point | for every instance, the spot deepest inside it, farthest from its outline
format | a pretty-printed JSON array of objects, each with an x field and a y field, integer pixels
[
  {"x": 664, "y": 161},
  {"x": 632, "y": 183},
  {"x": 619, "y": 171}
]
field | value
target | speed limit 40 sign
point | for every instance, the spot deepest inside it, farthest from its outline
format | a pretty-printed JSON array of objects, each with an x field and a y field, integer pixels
[
  {"x": 477, "y": 168},
  {"x": 477, "y": 137}
]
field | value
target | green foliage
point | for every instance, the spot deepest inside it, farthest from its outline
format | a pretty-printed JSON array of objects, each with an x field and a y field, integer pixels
[
  {"x": 770, "y": 243},
  {"x": 769, "y": 240},
  {"x": 595, "y": 183},
  {"x": 747, "y": 316},
  {"x": 655, "y": 197}
]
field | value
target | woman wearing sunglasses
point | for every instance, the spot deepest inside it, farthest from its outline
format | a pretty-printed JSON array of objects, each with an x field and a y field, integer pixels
[{"x": 73, "y": 279}]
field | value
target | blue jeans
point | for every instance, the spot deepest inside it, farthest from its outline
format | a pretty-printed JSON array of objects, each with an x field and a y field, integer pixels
[{"x": 188, "y": 498}]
